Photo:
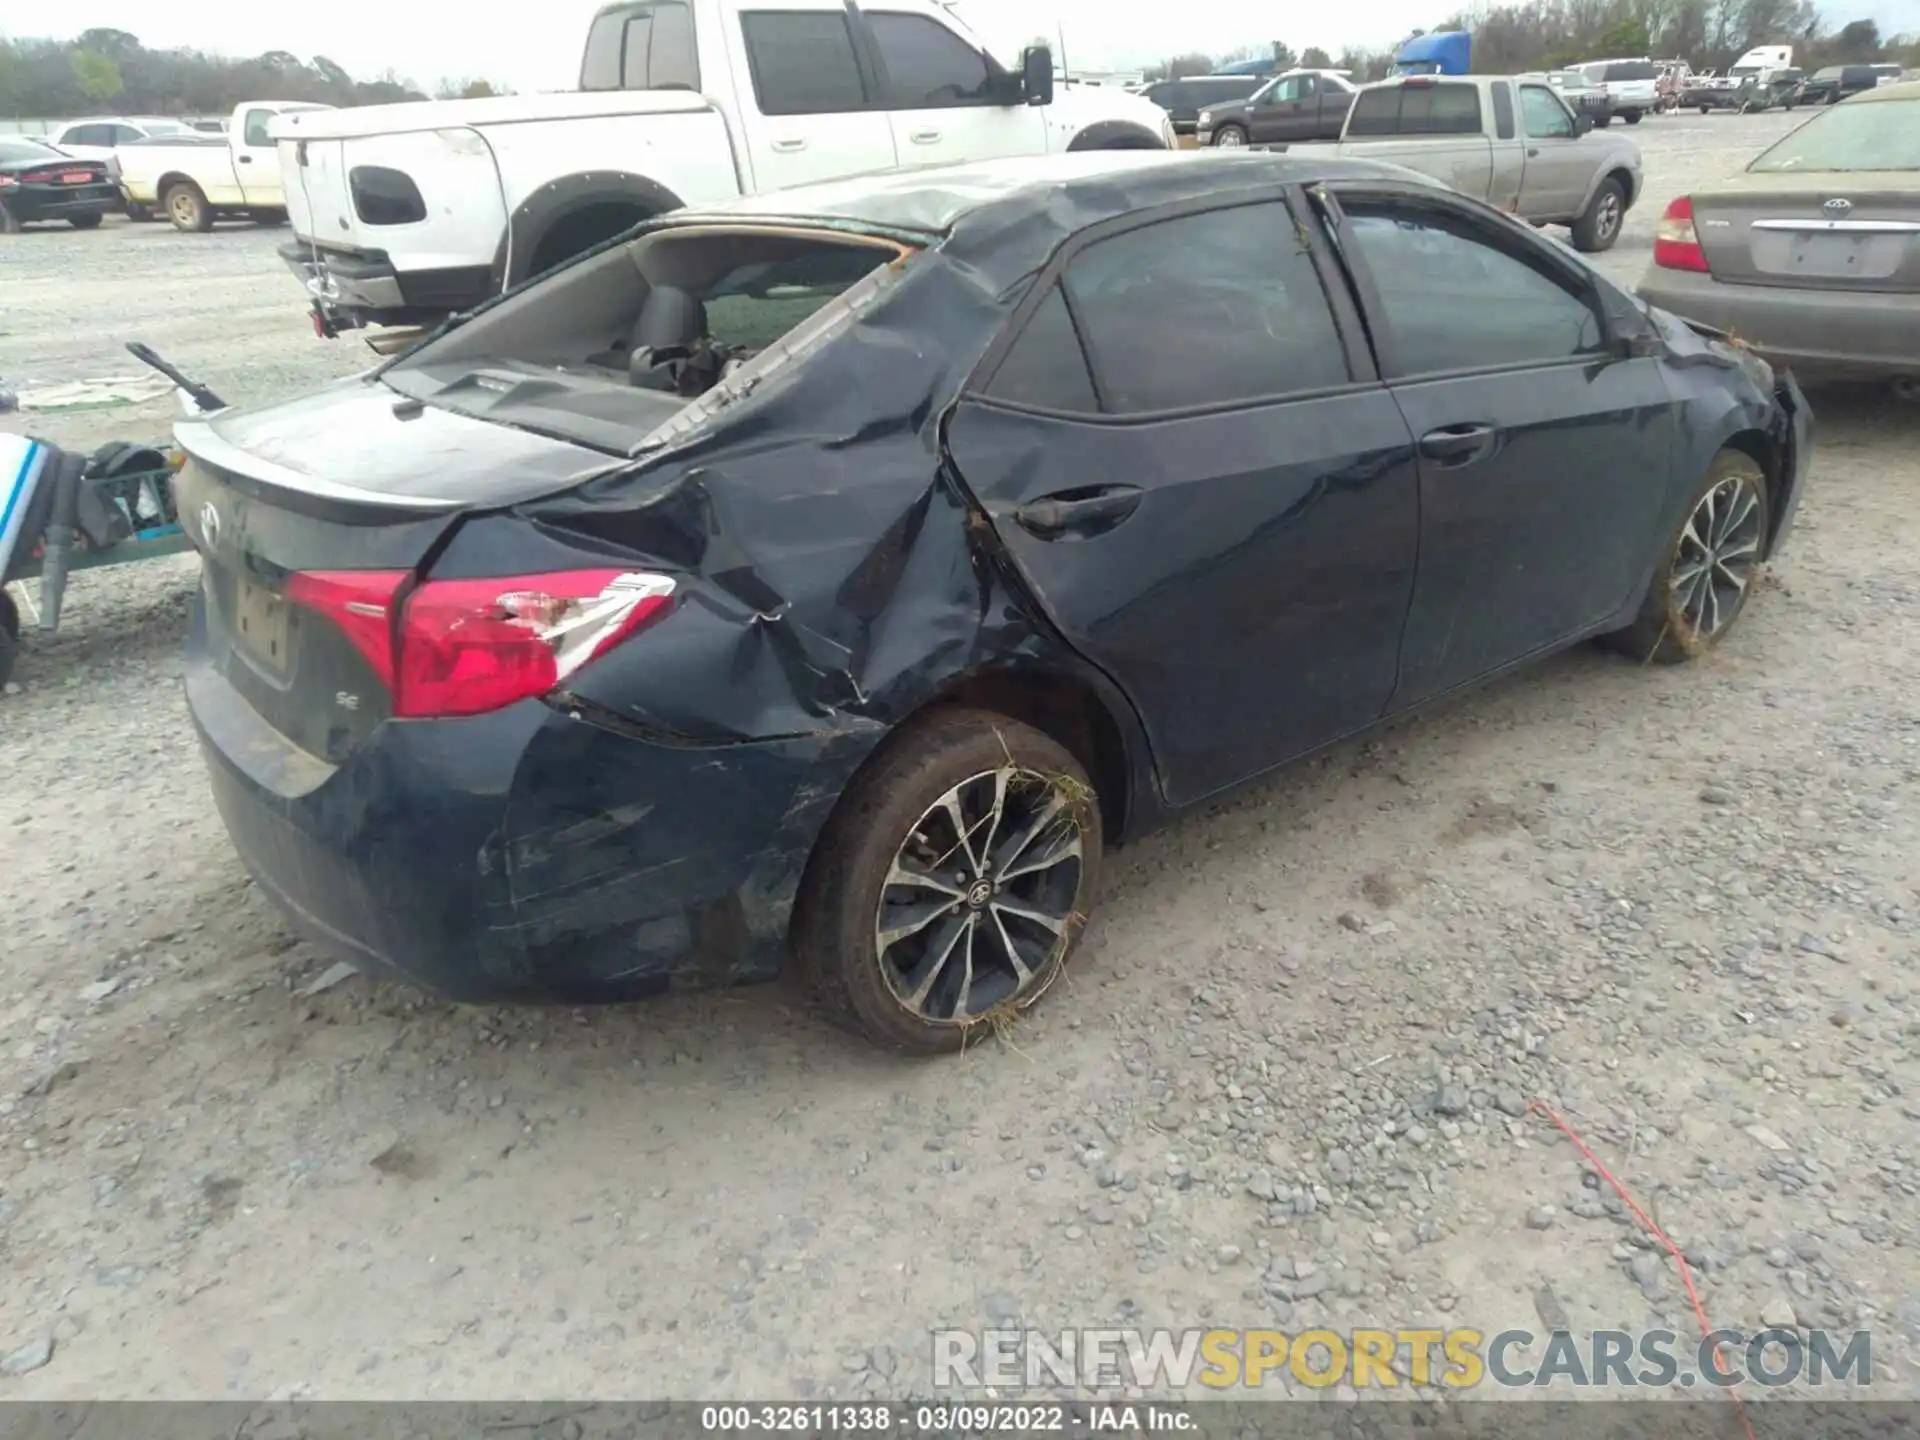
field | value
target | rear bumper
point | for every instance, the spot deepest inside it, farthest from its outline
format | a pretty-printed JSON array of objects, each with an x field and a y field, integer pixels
[
  {"x": 525, "y": 855},
  {"x": 30, "y": 205},
  {"x": 353, "y": 288},
  {"x": 1822, "y": 334}
]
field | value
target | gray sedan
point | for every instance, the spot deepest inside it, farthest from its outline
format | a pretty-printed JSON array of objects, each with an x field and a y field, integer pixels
[{"x": 1812, "y": 254}]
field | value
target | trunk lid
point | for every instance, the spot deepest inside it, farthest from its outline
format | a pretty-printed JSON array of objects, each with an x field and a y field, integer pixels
[
  {"x": 277, "y": 499},
  {"x": 1828, "y": 231}
]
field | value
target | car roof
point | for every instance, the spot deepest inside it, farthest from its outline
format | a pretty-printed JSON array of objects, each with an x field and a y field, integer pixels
[{"x": 1098, "y": 184}]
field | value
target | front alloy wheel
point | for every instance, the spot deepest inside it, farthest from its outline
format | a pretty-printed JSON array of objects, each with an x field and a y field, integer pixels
[
  {"x": 1709, "y": 569},
  {"x": 952, "y": 883},
  {"x": 1230, "y": 137}
]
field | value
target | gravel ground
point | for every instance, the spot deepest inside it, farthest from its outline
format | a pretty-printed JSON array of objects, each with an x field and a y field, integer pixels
[{"x": 1285, "y": 1084}]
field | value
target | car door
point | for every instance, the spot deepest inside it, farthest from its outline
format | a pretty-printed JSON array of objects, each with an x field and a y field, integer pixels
[
  {"x": 256, "y": 160},
  {"x": 1559, "y": 168},
  {"x": 947, "y": 100},
  {"x": 1182, "y": 447},
  {"x": 1544, "y": 450},
  {"x": 1280, "y": 113},
  {"x": 814, "y": 112}
]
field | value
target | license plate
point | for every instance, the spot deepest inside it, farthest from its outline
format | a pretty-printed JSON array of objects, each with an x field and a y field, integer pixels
[
  {"x": 77, "y": 177},
  {"x": 260, "y": 625}
]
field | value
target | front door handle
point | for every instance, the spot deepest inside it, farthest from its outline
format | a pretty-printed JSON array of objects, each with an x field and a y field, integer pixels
[
  {"x": 1079, "y": 513},
  {"x": 787, "y": 147},
  {"x": 246, "y": 159},
  {"x": 1533, "y": 152},
  {"x": 925, "y": 137},
  {"x": 1454, "y": 445}
]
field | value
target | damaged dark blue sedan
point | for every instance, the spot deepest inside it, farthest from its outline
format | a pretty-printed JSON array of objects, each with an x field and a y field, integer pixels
[{"x": 837, "y": 574}]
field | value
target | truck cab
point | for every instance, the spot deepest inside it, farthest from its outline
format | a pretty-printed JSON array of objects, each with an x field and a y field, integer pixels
[{"x": 1443, "y": 52}]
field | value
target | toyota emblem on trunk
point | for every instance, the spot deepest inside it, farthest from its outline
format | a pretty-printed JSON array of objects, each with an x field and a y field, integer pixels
[
  {"x": 210, "y": 524},
  {"x": 1837, "y": 206}
]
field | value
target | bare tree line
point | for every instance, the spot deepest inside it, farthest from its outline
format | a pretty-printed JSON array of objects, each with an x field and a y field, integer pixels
[
  {"x": 110, "y": 71},
  {"x": 1547, "y": 34}
]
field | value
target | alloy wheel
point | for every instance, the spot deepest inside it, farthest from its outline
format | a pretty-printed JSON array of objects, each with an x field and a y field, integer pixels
[
  {"x": 1609, "y": 217},
  {"x": 1229, "y": 139},
  {"x": 979, "y": 901},
  {"x": 1718, "y": 556}
]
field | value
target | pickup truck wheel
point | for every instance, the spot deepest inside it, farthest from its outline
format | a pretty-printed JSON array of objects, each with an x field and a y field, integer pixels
[
  {"x": 138, "y": 214},
  {"x": 1707, "y": 569},
  {"x": 1230, "y": 137},
  {"x": 1599, "y": 227},
  {"x": 188, "y": 208},
  {"x": 1632, "y": 117},
  {"x": 84, "y": 222}
]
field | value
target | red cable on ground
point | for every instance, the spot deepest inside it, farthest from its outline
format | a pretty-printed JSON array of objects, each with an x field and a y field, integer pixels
[{"x": 1652, "y": 1228}]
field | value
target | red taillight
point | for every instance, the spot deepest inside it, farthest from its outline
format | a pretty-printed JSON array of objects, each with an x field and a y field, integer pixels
[
  {"x": 1676, "y": 244},
  {"x": 7, "y": 182},
  {"x": 464, "y": 647}
]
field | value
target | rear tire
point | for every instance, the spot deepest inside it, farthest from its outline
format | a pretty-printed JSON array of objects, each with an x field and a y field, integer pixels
[
  {"x": 187, "y": 208},
  {"x": 922, "y": 966},
  {"x": 1599, "y": 226},
  {"x": 1706, "y": 569},
  {"x": 1632, "y": 117},
  {"x": 84, "y": 222},
  {"x": 139, "y": 214}
]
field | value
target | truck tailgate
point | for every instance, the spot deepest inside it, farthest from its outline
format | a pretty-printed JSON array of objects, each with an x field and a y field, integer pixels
[{"x": 434, "y": 195}]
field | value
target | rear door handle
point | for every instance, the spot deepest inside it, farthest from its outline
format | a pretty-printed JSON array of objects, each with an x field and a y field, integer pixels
[
  {"x": 925, "y": 137},
  {"x": 1454, "y": 445},
  {"x": 787, "y": 147},
  {"x": 1055, "y": 517}
]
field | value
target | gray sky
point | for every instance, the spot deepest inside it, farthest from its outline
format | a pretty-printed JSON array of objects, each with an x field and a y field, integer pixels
[{"x": 431, "y": 39}]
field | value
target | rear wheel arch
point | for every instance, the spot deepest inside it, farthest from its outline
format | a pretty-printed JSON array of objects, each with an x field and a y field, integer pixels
[
  {"x": 569, "y": 216},
  {"x": 1071, "y": 712},
  {"x": 1116, "y": 135}
]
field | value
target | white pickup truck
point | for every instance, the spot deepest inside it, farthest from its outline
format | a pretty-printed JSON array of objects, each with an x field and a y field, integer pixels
[
  {"x": 195, "y": 178},
  {"x": 406, "y": 213}
]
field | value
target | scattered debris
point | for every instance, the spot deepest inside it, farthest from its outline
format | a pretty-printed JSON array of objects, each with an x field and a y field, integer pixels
[
  {"x": 99, "y": 990},
  {"x": 34, "y": 1355},
  {"x": 1768, "y": 1138},
  {"x": 333, "y": 975}
]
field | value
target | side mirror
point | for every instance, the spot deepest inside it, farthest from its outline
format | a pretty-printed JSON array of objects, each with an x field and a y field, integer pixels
[
  {"x": 1036, "y": 75},
  {"x": 1582, "y": 123}
]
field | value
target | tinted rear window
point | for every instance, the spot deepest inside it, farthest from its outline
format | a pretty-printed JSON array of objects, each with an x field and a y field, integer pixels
[
  {"x": 1417, "y": 110},
  {"x": 647, "y": 46},
  {"x": 1633, "y": 70}
]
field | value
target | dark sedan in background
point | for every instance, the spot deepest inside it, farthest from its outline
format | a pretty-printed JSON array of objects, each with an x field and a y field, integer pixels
[
  {"x": 1812, "y": 253},
  {"x": 39, "y": 183},
  {"x": 839, "y": 572}
]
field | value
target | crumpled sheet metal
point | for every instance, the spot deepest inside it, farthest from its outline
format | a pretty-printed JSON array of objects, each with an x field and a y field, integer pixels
[{"x": 841, "y": 578}]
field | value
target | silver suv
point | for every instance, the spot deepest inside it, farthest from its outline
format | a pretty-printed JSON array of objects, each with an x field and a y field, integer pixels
[{"x": 1632, "y": 86}]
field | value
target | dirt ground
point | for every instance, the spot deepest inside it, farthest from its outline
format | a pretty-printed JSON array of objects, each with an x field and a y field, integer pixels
[{"x": 1285, "y": 1084}]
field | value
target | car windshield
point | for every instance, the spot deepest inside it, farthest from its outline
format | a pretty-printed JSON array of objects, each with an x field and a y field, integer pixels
[
  {"x": 18, "y": 147},
  {"x": 1870, "y": 135}
]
